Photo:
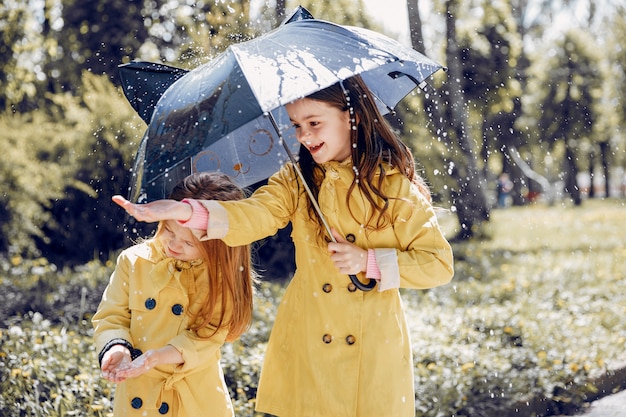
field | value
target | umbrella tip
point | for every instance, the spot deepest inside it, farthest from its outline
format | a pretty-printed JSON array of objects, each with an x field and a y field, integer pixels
[{"x": 300, "y": 13}]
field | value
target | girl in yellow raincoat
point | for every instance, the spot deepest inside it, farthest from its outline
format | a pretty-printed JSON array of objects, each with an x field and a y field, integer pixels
[
  {"x": 336, "y": 351},
  {"x": 170, "y": 305}
]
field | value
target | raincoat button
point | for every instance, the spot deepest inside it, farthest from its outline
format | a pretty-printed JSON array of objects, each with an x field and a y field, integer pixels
[
  {"x": 350, "y": 339},
  {"x": 350, "y": 238},
  {"x": 327, "y": 338},
  {"x": 177, "y": 309},
  {"x": 327, "y": 288},
  {"x": 136, "y": 403},
  {"x": 351, "y": 287},
  {"x": 150, "y": 303},
  {"x": 164, "y": 408}
]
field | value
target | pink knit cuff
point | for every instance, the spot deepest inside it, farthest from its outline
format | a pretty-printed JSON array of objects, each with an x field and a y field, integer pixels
[
  {"x": 372, "y": 266},
  {"x": 199, "y": 215}
]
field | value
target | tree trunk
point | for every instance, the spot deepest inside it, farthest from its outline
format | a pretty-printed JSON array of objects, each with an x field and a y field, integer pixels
[
  {"x": 469, "y": 199},
  {"x": 605, "y": 149},
  {"x": 592, "y": 190},
  {"x": 280, "y": 10},
  {"x": 571, "y": 171},
  {"x": 415, "y": 26}
]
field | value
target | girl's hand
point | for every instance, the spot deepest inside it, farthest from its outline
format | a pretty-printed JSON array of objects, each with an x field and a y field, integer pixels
[
  {"x": 116, "y": 358},
  {"x": 140, "y": 365},
  {"x": 151, "y": 358},
  {"x": 348, "y": 257},
  {"x": 156, "y": 210}
]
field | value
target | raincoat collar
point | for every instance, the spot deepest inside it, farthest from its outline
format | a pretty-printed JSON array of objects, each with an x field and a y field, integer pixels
[
  {"x": 185, "y": 272},
  {"x": 345, "y": 170}
]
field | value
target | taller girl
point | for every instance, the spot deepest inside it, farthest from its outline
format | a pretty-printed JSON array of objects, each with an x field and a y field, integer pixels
[{"x": 335, "y": 350}]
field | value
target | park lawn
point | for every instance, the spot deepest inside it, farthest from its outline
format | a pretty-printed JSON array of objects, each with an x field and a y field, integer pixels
[{"x": 535, "y": 311}]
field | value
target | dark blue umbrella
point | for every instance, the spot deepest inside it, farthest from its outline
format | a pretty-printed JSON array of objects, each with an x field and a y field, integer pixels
[
  {"x": 228, "y": 115},
  {"x": 239, "y": 95},
  {"x": 145, "y": 82}
]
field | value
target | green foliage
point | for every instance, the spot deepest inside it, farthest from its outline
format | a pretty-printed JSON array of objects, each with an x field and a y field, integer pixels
[
  {"x": 60, "y": 168},
  {"x": 535, "y": 312}
]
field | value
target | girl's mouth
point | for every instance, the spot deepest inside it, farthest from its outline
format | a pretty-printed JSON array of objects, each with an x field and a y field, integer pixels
[{"x": 315, "y": 148}]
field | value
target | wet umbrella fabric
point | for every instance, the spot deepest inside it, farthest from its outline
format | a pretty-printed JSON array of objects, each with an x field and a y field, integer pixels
[
  {"x": 227, "y": 115},
  {"x": 145, "y": 82}
]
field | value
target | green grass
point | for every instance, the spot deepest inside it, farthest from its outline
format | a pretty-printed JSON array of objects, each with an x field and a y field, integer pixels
[{"x": 538, "y": 310}]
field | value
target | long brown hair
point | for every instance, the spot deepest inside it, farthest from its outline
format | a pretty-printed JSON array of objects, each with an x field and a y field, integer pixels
[
  {"x": 375, "y": 143},
  {"x": 230, "y": 273}
]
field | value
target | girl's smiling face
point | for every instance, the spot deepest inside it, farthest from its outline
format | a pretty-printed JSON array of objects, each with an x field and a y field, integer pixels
[
  {"x": 322, "y": 128},
  {"x": 178, "y": 241}
]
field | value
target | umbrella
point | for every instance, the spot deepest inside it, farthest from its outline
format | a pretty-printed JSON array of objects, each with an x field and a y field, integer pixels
[
  {"x": 227, "y": 115},
  {"x": 145, "y": 82}
]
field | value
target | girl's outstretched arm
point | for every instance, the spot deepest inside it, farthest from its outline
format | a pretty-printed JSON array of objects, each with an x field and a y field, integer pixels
[{"x": 156, "y": 210}]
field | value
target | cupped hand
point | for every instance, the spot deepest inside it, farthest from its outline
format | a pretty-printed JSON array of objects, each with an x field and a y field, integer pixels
[
  {"x": 156, "y": 210},
  {"x": 116, "y": 358},
  {"x": 139, "y": 366},
  {"x": 349, "y": 258}
]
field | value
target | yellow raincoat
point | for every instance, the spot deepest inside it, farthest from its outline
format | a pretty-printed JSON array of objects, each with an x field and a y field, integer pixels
[
  {"x": 146, "y": 304},
  {"x": 336, "y": 351}
]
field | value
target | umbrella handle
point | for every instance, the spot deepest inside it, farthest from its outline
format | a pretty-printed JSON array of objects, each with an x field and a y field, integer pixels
[{"x": 363, "y": 287}]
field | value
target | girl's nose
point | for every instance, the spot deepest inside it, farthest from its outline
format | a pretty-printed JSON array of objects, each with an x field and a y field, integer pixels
[
  {"x": 303, "y": 136},
  {"x": 174, "y": 243}
]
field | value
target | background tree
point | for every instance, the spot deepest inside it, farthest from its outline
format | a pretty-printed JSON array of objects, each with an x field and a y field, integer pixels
[
  {"x": 567, "y": 87},
  {"x": 448, "y": 112}
]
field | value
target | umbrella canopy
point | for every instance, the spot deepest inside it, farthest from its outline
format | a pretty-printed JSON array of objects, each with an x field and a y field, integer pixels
[
  {"x": 145, "y": 82},
  {"x": 227, "y": 115}
]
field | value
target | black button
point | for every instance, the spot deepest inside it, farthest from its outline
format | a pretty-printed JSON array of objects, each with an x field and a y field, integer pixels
[
  {"x": 164, "y": 408},
  {"x": 327, "y": 338},
  {"x": 351, "y": 287},
  {"x": 136, "y": 403},
  {"x": 150, "y": 303},
  {"x": 327, "y": 288},
  {"x": 177, "y": 309},
  {"x": 350, "y": 238},
  {"x": 350, "y": 339}
]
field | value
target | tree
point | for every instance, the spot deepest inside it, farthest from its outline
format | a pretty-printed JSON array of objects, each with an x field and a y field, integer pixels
[
  {"x": 491, "y": 50},
  {"x": 567, "y": 89},
  {"x": 20, "y": 55},
  {"x": 448, "y": 108}
]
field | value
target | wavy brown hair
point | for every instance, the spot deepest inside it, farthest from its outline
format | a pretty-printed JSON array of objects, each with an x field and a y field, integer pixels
[
  {"x": 230, "y": 275},
  {"x": 375, "y": 142}
]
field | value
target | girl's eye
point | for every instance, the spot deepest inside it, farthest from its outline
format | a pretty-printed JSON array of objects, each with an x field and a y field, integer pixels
[
  {"x": 314, "y": 123},
  {"x": 190, "y": 244}
]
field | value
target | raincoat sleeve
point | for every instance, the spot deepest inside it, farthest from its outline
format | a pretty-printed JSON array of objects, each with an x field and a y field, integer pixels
[
  {"x": 423, "y": 257},
  {"x": 244, "y": 221},
  {"x": 112, "y": 319}
]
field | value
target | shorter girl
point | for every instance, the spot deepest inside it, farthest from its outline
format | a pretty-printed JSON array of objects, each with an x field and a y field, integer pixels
[{"x": 170, "y": 305}]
